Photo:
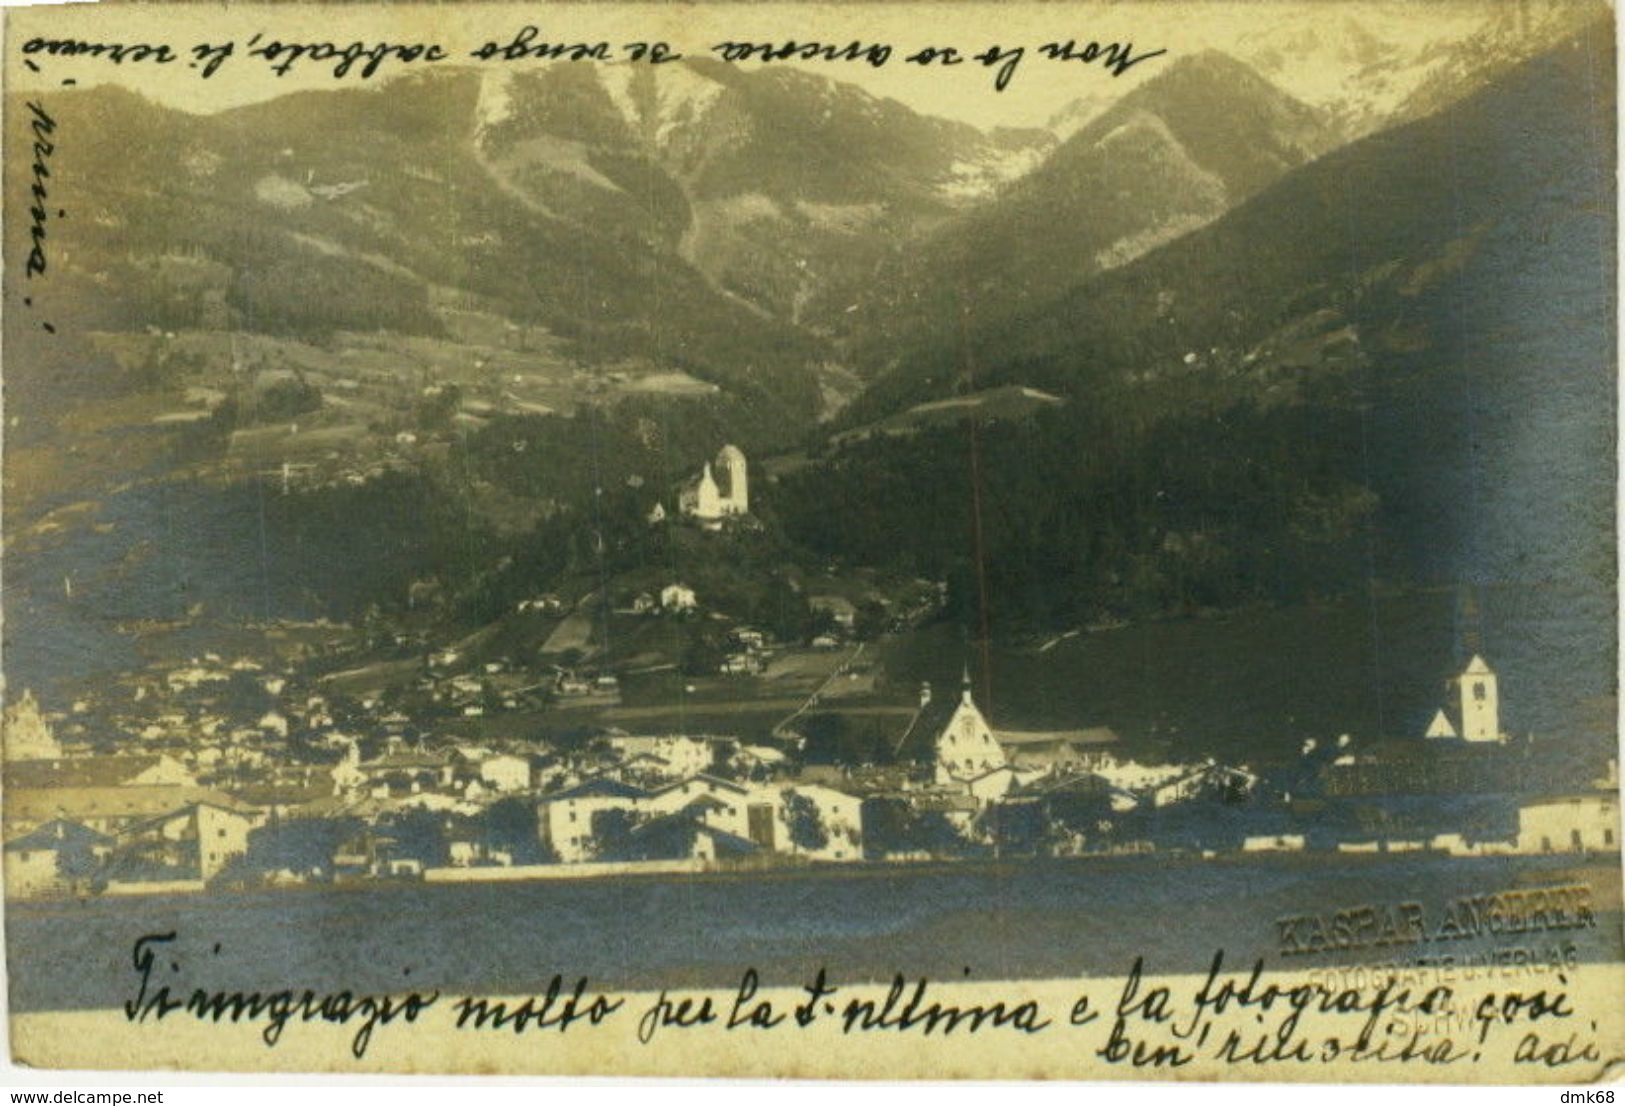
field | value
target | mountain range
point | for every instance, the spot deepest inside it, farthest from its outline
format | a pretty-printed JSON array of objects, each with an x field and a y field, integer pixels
[
  {"x": 1397, "y": 356},
  {"x": 1167, "y": 158},
  {"x": 1270, "y": 341}
]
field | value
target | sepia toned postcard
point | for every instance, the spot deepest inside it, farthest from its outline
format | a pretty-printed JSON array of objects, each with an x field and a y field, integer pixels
[{"x": 858, "y": 540}]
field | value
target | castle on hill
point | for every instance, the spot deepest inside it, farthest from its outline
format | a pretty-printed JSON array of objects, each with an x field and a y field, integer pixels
[{"x": 721, "y": 490}]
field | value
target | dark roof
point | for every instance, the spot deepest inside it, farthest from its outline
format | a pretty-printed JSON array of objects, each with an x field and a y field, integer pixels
[
  {"x": 729, "y": 843},
  {"x": 672, "y": 836},
  {"x": 1086, "y": 783},
  {"x": 58, "y": 834},
  {"x": 702, "y": 777},
  {"x": 705, "y": 802},
  {"x": 87, "y": 803},
  {"x": 599, "y": 787},
  {"x": 1089, "y": 735},
  {"x": 269, "y": 794},
  {"x": 136, "y": 868},
  {"x": 406, "y": 761},
  {"x": 919, "y": 741},
  {"x": 668, "y": 837},
  {"x": 110, "y": 771}
]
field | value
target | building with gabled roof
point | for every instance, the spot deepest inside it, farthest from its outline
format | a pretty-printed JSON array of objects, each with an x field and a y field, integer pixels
[
  {"x": 1474, "y": 715},
  {"x": 965, "y": 746},
  {"x": 53, "y": 858},
  {"x": 564, "y": 819},
  {"x": 103, "y": 809},
  {"x": 682, "y": 835},
  {"x": 24, "y": 732},
  {"x": 201, "y": 837},
  {"x": 678, "y": 597},
  {"x": 1441, "y": 728},
  {"x": 99, "y": 771},
  {"x": 1058, "y": 750}
]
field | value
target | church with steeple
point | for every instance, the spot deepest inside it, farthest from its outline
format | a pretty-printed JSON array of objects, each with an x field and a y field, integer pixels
[
  {"x": 721, "y": 490},
  {"x": 966, "y": 748},
  {"x": 1475, "y": 714}
]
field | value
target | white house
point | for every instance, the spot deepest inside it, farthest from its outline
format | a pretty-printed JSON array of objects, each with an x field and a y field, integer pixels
[
  {"x": 51, "y": 858},
  {"x": 565, "y": 819},
  {"x": 781, "y": 818},
  {"x": 211, "y": 834},
  {"x": 838, "y": 607},
  {"x": 678, "y": 597},
  {"x": 506, "y": 772},
  {"x": 222, "y": 835},
  {"x": 682, "y": 756},
  {"x": 1570, "y": 824},
  {"x": 840, "y": 818},
  {"x": 727, "y": 807}
]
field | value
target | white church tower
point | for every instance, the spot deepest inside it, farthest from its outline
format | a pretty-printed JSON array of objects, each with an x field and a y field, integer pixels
[
  {"x": 1480, "y": 702},
  {"x": 732, "y": 480}
]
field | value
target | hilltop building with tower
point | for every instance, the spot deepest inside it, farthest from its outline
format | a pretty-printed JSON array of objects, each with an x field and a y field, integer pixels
[{"x": 720, "y": 491}]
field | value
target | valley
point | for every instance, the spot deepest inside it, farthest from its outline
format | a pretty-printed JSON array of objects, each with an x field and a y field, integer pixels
[{"x": 417, "y": 358}]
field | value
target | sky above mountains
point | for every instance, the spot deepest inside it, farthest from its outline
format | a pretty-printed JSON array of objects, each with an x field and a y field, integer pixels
[{"x": 1316, "y": 51}]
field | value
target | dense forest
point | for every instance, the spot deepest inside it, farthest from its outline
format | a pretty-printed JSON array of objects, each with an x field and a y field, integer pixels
[{"x": 1081, "y": 515}]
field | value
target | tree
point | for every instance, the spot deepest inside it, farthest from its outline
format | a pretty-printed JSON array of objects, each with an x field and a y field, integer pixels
[
  {"x": 1020, "y": 827},
  {"x": 435, "y": 410},
  {"x": 870, "y": 622},
  {"x": 612, "y": 833},
  {"x": 805, "y": 822},
  {"x": 511, "y": 825},
  {"x": 285, "y": 397}
]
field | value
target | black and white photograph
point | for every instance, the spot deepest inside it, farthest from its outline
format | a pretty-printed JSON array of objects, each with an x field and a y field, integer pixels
[{"x": 848, "y": 541}]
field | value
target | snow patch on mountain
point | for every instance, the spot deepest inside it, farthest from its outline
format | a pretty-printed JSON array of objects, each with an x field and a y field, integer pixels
[
  {"x": 494, "y": 104},
  {"x": 991, "y": 168},
  {"x": 1081, "y": 112},
  {"x": 680, "y": 98}
]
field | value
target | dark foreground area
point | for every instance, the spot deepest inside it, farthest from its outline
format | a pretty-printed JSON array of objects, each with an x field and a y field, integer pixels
[{"x": 1033, "y": 919}]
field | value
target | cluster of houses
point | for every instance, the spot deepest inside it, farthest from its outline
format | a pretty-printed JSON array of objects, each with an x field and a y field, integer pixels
[
  {"x": 312, "y": 791},
  {"x": 145, "y": 822}
]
